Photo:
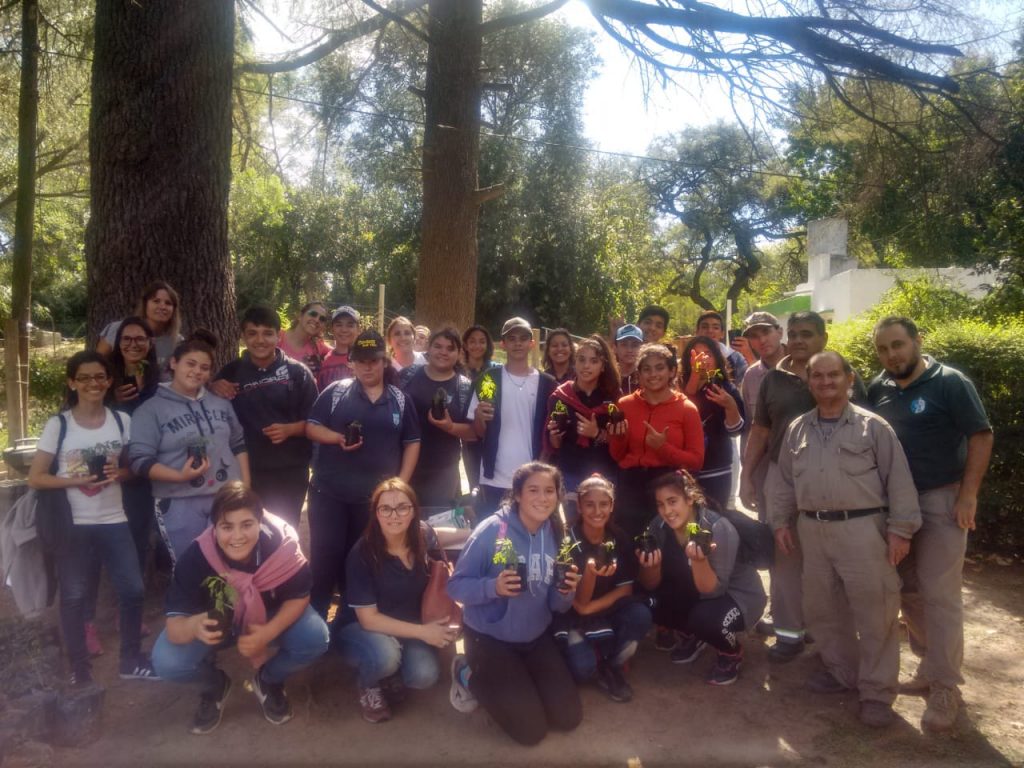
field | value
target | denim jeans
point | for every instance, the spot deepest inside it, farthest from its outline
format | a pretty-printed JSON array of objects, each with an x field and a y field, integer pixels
[
  {"x": 111, "y": 545},
  {"x": 630, "y": 621},
  {"x": 300, "y": 645},
  {"x": 376, "y": 656},
  {"x": 181, "y": 520}
]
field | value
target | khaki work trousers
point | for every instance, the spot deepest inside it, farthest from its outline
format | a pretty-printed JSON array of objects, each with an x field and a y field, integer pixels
[
  {"x": 785, "y": 588},
  {"x": 851, "y": 603},
  {"x": 932, "y": 600}
]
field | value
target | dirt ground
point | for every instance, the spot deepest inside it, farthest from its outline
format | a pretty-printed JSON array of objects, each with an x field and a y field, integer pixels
[{"x": 766, "y": 719}]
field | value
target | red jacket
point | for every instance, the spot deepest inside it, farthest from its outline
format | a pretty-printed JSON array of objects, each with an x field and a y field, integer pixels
[{"x": 684, "y": 447}]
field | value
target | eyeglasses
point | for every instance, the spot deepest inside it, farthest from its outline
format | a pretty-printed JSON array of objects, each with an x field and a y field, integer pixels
[
  {"x": 96, "y": 378},
  {"x": 402, "y": 510},
  {"x": 317, "y": 316},
  {"x": 137, "y": 341}
]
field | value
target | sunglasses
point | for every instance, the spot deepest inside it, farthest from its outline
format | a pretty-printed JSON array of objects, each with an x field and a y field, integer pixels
[{"x": 317, "y": 316}]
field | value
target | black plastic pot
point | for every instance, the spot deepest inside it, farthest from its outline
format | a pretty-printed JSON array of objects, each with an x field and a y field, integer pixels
[
  {"x": 224, "y": 621},
  {"x": 561, "y": 571},
  {"x": 439, "y": 404},
  {"x": 353, "y": 433},
  {"x": 703, "y": 540},
  {"x": 197, "y": 453},
  {"x": 96, "y": 466},
  {"x": 646, "y": 543}
]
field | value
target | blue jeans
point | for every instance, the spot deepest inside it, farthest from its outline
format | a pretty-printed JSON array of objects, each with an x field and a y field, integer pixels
[
  {"x": 300, "y": 645},
  {"x": 111, "y": 545},
  {"x": 376, "y": 656},
  {"x": 630, "y": 621},
  {"x": 181, "y": 520}
]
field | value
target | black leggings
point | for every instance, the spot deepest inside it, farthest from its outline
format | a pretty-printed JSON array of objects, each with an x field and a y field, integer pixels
[
  {"x": 716, "y": 621},
  {"x": 525, "y": 687},
  {"x": 334, "y": 527}
]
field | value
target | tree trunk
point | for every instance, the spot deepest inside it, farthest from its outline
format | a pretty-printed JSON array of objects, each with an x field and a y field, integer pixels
[
  {"x": 446, "y": 286},
  {"x": 16, "y": 349},
  {"x": 160, "y": 155}
]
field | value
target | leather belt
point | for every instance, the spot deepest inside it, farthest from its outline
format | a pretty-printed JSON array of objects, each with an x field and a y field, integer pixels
[{"x": 836, "y": 515}]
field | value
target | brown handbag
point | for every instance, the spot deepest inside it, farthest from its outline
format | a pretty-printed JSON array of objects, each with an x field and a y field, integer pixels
[{"x": 436, "y": 604}]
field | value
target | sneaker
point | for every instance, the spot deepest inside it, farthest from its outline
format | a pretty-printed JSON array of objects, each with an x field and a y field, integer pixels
[
  {"x": 211, "y": 706},
  {"x": 876, "y": 714},
  {"x": 688, "y": 650},
  {"x": 459, "y": 695},
  {"x": 785, "y": 650},
  {"x": 375, "y": 708},
  {"x": 612, "y": 681},
  {"x": 665, "y": 639},
  {"x": 824, "y": 681},
  {"x": 92, "y": 640},
  {"x": 394, "y": 689},
  {"x": 918, "y": 685},
  {"x": 272, "y": 699},
  {"x": 140, "y": 669},
  {"x": 940, "y": 712},
  {"x": 726, "y": 669}
]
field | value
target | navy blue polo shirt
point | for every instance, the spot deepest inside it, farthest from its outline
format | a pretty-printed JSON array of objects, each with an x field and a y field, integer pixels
[
  {"x": 438, "y": 450},
  {"x": 281, "y": 393},
  {"x": 932, "y": 417},
  {"x": 389, "y": 424}
]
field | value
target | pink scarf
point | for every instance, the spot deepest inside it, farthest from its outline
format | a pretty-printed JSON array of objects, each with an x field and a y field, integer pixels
[{"x": 284, "y": 563}]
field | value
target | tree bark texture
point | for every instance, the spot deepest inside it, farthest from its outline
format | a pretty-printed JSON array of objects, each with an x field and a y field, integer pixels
[
  {"x": 160, "y": 155},
  {"x": 446, "y": 287}
]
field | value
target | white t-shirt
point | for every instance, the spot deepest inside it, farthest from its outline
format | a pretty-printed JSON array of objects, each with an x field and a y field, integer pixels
[
  {"x": 515, "y": 441},
  {"x": 89, "y": 505}
]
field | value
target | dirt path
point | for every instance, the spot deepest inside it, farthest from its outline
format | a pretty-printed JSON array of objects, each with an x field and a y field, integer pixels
[{"x": 766, "y": 719}]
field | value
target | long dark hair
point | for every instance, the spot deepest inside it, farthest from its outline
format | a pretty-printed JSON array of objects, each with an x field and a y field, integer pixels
[
  {"x": 151, "y": 374},
  {"x": 609, "y": 383},
  {"x": 524, "y": 473},
  {"x": 685, "y": 484},
  {"x": 174, "y": 326},
  {"x": 549, "y": 366},
  {"x": 376, "y": 544},
  {"x": 75, "y": 362},
  {"x": 488, "y": 354},
  {"x": 716, "y": 352}
]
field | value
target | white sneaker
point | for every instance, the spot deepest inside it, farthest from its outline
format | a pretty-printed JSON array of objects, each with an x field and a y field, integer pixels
[{"x": 459, "y": 695}]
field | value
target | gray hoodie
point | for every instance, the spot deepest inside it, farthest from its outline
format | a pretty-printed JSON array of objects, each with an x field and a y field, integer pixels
[{"x": 169, "y": 423}]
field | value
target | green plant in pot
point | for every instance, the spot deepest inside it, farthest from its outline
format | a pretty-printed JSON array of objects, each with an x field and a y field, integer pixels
[
  {"x": 564, "y": 561},
  {"x": 700, "y": 536},
  {"x": 506, "y": 556},
  {"x": 615, "y": 414},
  {"x": 439, "y": 404},
  {"x": 560, "y": 415},
  {"x": 222, "y": 597},
  {"x": 646, "y": 543},
  {"x": 605, "y": 554},
  {"x": 486, "y": 389}
]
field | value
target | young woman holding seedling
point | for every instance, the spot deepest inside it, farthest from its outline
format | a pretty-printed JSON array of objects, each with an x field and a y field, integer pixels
[
  {"x": 477, "y": 351},
  {"x": 701, "y": 589},
  {"x": 382, "y": 634},
  {"x": 505, "y": 579}
]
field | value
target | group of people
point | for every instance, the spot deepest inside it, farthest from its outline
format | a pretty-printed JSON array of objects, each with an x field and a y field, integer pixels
[{"x": 602, "y": 503}]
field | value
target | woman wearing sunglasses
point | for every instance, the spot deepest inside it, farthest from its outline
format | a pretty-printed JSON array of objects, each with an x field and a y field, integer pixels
[{"x": 303, "y": 341}]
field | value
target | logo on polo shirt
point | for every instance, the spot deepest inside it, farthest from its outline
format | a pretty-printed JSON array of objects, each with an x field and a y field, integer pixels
[
  {"x": 917, "y": 405},
  {"x": 396, "y": 418}
]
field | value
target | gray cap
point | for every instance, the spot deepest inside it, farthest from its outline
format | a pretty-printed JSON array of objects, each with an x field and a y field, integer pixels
[
  {"x": 758, "y": 319},
  {"x": 344, "y": 310},
  {"x": 513, "y": 324},
  {"x": 629, "y": 331}
]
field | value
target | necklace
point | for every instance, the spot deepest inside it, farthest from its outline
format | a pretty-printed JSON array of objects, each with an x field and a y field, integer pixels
[{"x": 519, "y": 384}]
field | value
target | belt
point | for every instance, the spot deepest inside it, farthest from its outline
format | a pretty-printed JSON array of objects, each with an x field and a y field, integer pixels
[{"x": 834, "y": 515}]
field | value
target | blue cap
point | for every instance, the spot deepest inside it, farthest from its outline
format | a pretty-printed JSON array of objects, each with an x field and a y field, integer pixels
[{"x": 629, "y": 331}]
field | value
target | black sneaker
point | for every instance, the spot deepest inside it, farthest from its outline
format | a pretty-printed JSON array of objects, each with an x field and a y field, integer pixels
[
  {"x": 611, "y": 680},
  {"x": 140, "y": 669},
  {"x": 394, "y": 689},
  {"x": 688, "y": 650},
  {"x": 276, "y": 708},
  {"x": 211, "y": 706},
  {"x": 784, "y": 651},
  {"x": 726, "y": 669},
  {"x": 665, "y": 639}
]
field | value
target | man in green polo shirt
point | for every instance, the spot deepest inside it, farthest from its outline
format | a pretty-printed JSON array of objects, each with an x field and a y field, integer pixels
[{"x": 941, "y": 423}]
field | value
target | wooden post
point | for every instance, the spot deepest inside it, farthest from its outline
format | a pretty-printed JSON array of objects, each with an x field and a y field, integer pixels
[
  {"x": 535, "y": 354},
  {"x": 380, "y": 309}
]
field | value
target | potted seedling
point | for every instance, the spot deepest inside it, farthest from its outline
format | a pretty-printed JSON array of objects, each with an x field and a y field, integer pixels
[
  {"x": 439, "y": 404},
  {"x": 615, "y": 414},
  {"x": 700, "y": 536},
  {"x": 606, "y": 554},
  {"x": 506, "y": 556},
  {"x": 197, "y": 452},
  {"x": 560, "y": 415},
  {"x": 702, "y": 367},
  {"x": 353, "y": 432},
  {"x": 96, "y": 463},
  {"x": 222, "y": 597},
  {"x": 486, "y": 389},
  {"x": 564, "y": 561},
  {"x": 646, "y": 543}
]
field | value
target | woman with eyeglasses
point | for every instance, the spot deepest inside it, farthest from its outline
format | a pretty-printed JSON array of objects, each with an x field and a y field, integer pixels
[
  {"x": 80, "y": 453},
  {"x": 381, "y": 633},
  {"x": 303, "y": 341},
  {"x": 160, "y": 307}
]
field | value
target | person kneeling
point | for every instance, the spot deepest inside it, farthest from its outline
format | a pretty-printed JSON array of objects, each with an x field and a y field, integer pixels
[
  {"x": 386, "y": 575},
  {"x": 249, "y": 563},
  {"x": 701, "y": 588}
]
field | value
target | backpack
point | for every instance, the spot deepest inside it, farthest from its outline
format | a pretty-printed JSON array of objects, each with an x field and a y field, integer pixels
[{"x": 757, "y": 543}]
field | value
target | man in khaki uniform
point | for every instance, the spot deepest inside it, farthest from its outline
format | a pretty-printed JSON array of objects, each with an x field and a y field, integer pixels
[{"x": 845, "y": 483}]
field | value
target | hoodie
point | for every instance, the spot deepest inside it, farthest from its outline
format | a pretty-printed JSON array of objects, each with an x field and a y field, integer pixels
[
  {"x": 519, "y": 619},
  {"x": 166, "y": 425}
]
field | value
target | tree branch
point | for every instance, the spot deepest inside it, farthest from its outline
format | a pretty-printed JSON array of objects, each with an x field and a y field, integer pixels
[
  {"x": 399, "y": 19},
  {"x": 524, "y": 17}
]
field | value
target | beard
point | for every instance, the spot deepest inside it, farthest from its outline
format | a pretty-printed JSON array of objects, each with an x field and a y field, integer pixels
[{"x": 905, "y": 372}]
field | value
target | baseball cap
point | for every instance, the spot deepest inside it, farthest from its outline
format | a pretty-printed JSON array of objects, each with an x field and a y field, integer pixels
[
  {"x": 629, "y": 331},
  {"x": 345, "y": 309},
  {"x": 369, "y": 345},
  {"x": 760, "y": 318},
  {"x": 515, "y": 324}
]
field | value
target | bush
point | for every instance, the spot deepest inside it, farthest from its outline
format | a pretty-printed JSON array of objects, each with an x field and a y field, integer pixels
[{"x": 990, "y": 353}]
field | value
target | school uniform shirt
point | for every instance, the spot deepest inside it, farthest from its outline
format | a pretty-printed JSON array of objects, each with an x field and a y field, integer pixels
[
  {"x": 439, "y": 451},
  {"x": 186, "y": 595},
  {"x": 90, "y": 505}
]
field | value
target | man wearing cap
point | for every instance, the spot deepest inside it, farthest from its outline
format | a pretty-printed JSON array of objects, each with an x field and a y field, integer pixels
[
  {"x": 509, "y": 414},
  {"x": 654, "y": 323},
  {"x": 711, "y": 324},
  {"x": 942, "y": 426},
  {"x": 763, "y": 335},
  {"x": 844, "y": 483},
  {"x": 344, "y": 328},
  {"x": 628, "y": 340},
  {"x": 349, "y": 463}
]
